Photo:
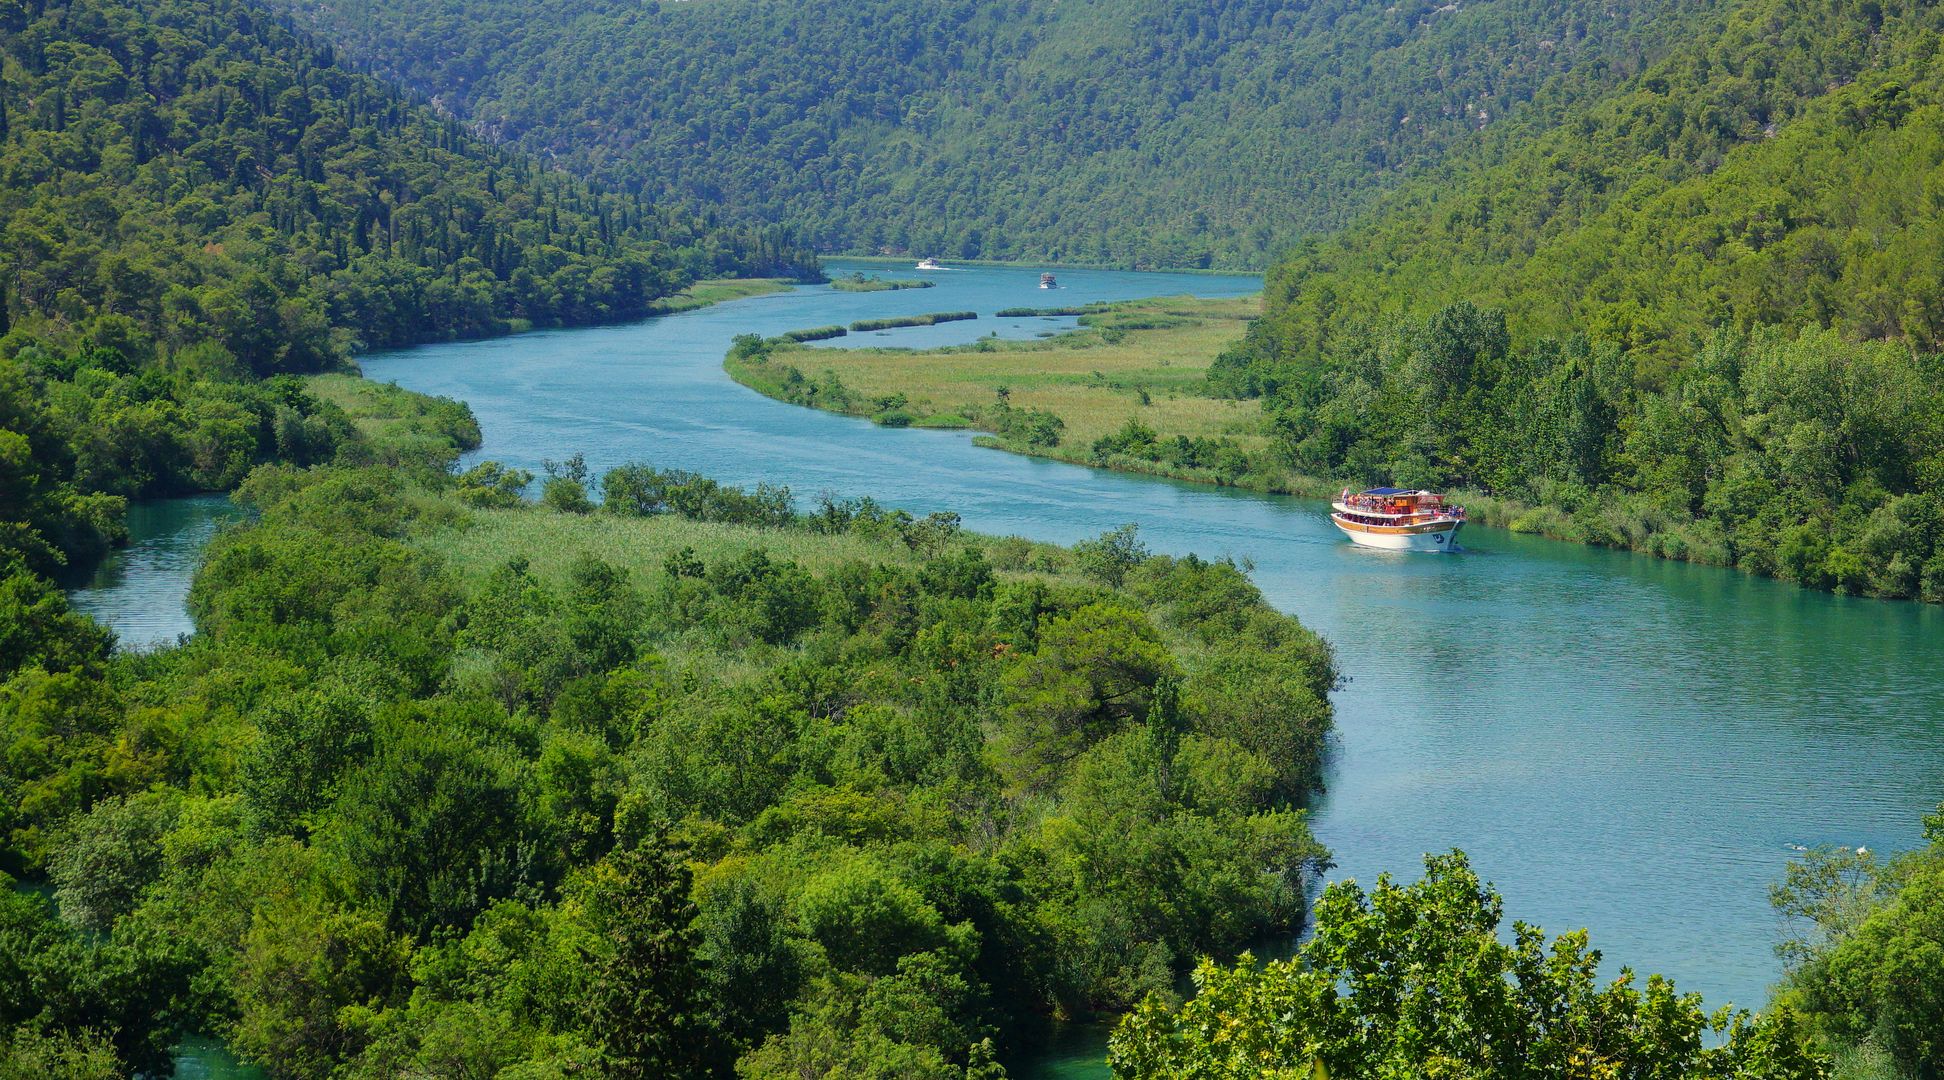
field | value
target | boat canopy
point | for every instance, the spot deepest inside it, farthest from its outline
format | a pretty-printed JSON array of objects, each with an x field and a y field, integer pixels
[{"x": 1390, "y": 491}]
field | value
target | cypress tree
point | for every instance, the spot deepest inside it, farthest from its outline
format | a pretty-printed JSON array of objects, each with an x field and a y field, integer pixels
[{"x": 646, "y": 1005}]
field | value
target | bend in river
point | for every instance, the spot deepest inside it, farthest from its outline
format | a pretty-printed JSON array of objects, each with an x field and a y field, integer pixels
[{"x": 1621, "y": 743}]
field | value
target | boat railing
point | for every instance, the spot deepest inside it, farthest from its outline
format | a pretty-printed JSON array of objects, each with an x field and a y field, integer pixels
[{"x": 1394, "y": 508}]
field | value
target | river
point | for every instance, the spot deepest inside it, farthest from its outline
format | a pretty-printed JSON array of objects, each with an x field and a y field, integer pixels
[
  {"x": 1620, "y": 743},
  {"x": 140, "y": 590}
]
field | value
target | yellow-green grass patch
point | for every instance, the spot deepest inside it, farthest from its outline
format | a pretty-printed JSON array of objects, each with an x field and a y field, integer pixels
[
  {"x": 718, "y": 290},
  {"x": 1092, "y": 377},
  {"x": 551, "y": 542}
]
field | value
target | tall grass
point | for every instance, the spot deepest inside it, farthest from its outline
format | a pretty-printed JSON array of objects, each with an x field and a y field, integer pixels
[
  {"x": 932, "y": 319},
  {"x": 480, "y": 541},
  {"x": 815, "y": 333}
]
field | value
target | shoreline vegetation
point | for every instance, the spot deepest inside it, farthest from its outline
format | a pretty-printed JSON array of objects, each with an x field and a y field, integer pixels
[
  {"x": 799, "y": 777},
  {"x": 712, "y": 291},
  {"x": 895, "y": 322},
  {"x": 1128, "y": 389},
  {"x": 859, "y": 283},
  {"x": 1059, "y": 264}
]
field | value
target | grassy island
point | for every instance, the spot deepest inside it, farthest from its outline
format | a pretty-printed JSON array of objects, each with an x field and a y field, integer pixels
[
  {"x": 1123, "y": 389},
  {"x": 858, "y": 282}
]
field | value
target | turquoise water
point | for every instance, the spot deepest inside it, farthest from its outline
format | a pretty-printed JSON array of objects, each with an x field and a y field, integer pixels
[
  {"x": 139, "y": 590},
  {"x": 1621, "y": 743},
  {"x": 202, "y": 1058}
]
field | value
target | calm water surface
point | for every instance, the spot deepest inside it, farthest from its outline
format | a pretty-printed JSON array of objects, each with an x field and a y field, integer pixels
[
  {"x": 1621, "y": 743},
  {"x": 139, "y": 590}
]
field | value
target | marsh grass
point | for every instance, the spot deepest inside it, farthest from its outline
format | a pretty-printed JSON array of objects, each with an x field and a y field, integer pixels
[
  {"x": 476, "y": 542},
  {"x": 717, "y": 290},
  {"x": 1092, "y": 377}
]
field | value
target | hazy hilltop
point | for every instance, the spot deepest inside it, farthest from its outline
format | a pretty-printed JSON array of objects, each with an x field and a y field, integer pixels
[
  {"x": 1130, "y": 131},
  {"x": 187, "y": 171}
]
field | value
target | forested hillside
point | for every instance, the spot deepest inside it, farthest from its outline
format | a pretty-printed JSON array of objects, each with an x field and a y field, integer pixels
[
  {"x": 1183, "y": 134},
  {"x": 1697, "y": 316},
  {"x": 184, "y": 172},
  {"x": 1775, "y": 171},
  {"x": 194, "y": 198}
]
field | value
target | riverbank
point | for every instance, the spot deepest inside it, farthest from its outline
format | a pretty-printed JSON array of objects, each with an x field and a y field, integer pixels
[
  {"x": 1124, "y": 389},
  {"x": 906, "y": 261}
]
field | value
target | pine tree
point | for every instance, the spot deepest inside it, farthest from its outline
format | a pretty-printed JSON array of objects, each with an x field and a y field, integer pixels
[{"x": 646, "y": 1005}]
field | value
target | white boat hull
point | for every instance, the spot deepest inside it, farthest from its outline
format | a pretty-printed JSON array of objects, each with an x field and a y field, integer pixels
[{"x": 1438, "y": 536}]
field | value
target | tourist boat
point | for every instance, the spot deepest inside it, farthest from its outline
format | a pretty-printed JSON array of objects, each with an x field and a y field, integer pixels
[
  {"x": 1047, "y": 282},
  {"x": 929, "y": 264},
  {"x": 1401, "y": 519}
]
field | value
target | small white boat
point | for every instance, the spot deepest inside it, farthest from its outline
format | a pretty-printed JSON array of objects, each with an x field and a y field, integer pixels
[
  {"x": 1047, "y": 282},
  {"x": 929, "y": 264},
  {"x": 1398, "y": 519}
]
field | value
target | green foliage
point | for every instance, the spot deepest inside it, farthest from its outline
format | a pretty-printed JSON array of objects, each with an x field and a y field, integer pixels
[
  {"x": 1415, "y": 980},
  {"x": 92, "y": 1001},
  {"x": 1673, "y": 204},
  {"x": 1806, "y": 456},
  {"x": 1628, "y": 308},
  {"x": 859, "y": 282},
  {"x": 639, "y": 490},
  {"x": 897, "y": 321},
  {"x": 802, "y": 791},
  {"x": 1034, "y": 427},
  {"x": 816, "y": 333},
  {"x": 27, "y": 1053},
  {"x": 430, "y": 831},
  {"x": 644, "y": 1002},
  {"x": 492, "y": 485},
  {"x": 196, "y": 173},
  {"x": 309, "y": 976},
  {"x": 1169, "y": 134},
  {"x": 1108, "y": 558},
  {"x": 109, "y": 855},
  {"x": 1865, "y": 966}
]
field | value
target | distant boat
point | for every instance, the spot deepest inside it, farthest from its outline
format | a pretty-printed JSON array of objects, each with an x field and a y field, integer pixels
[
  {"x": 1047, "y": 282},
  {"x": 929, "y": 264},
  {"x": 1401, "y": 519}
]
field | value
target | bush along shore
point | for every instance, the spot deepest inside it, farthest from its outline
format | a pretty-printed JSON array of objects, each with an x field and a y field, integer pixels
[{"x": 859, "y": 282}]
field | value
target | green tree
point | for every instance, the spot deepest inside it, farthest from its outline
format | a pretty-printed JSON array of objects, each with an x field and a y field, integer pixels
[
  {"x": 1093, "y": 672},
  {"x": 1109, "y": 557},
  {"x": 645, "y": 1005},
  {"x": 1413, "y": 980},
  {"x": 431, "y": 829}
]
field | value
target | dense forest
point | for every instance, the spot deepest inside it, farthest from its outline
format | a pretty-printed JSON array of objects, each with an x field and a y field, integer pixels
[
  {"x": 1118, "y": 131},
  {"x": 1698, "y": 316},
  {"x": 196, "y": 201},
  {"x": 185, "y": 174}
]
